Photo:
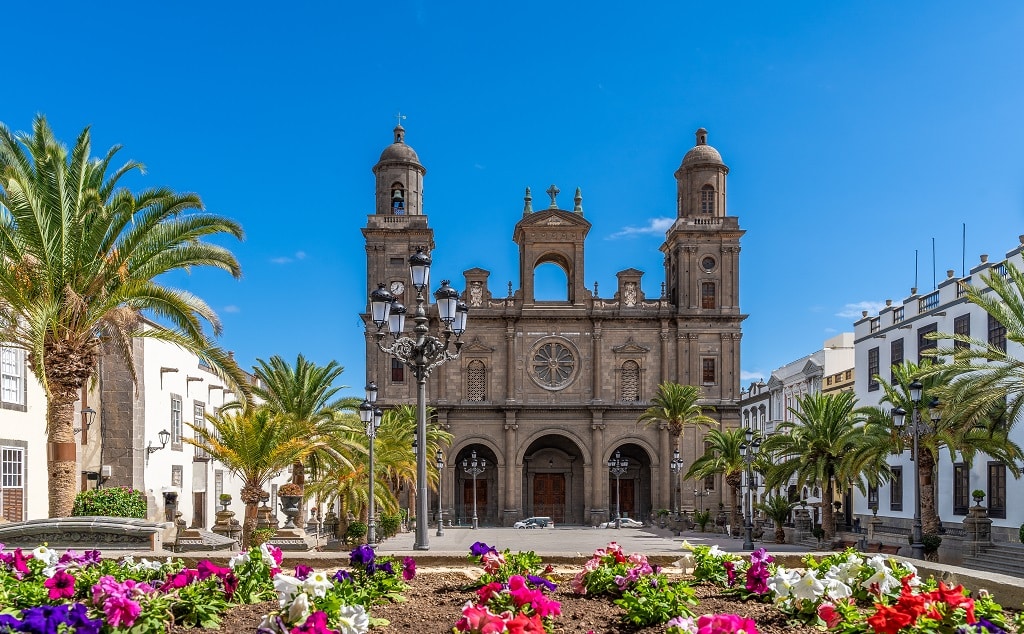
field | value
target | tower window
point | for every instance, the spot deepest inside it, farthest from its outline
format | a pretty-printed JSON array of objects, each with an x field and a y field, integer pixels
[
  {"x": 709, "y": 375},
  {"x": 707, "y": 199},
  {"x": 397, "y": 371},
  {"x": 707, "y": 295},
  {"x": 630, "y": 388},
  {"x": 397, "y": 199},
  {"x": 477, "y": 381}
]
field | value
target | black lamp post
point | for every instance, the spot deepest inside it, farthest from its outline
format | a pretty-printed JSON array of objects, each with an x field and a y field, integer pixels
[
  {"x": 617, "y": 466},
  {"x": 700, "y": 495},
  {"x": 474, "y": 468},
  {"x": 899, "y": 417},
  {"x": 371, "y": 417},
  {"x": 749, "y": 449},
  {"x": 439, "y": 461},
  {"x": 421, "y": 353},
  {"x": 676, "y": 466}
]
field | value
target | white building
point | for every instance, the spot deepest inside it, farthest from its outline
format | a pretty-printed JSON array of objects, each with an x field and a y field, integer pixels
[
  {"x": 121, "y": 447},
  {"x": 896, "y": 334}
]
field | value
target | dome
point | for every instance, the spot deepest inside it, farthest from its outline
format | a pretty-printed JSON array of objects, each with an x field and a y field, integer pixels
[
  {"x": 399, "y": 151},
  {"x": 702, "y": 152}
]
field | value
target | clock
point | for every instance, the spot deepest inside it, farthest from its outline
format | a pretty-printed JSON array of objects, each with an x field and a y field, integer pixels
[{"x": 397, "y": 288}]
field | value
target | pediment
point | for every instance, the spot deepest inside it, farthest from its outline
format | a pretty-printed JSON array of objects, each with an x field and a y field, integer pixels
[
  {"x": 774, "y": 383},
  {"x": 630, "y": 273},
  {"x": 811, "y": 368},
  {"x": 476, "y": 271},
  {"x": 631, "y": 347},
  {"x": 477, "y": 346},
  {"x": 553, "y": 218}
]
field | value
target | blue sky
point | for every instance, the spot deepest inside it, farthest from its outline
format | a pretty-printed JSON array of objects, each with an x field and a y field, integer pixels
[{"x": 855, "y": 132}]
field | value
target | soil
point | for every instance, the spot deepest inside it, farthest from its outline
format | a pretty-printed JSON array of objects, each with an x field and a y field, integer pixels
[{"x": 434, "y": 603}]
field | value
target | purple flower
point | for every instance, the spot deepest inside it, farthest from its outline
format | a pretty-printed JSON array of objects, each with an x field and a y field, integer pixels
[
  {"x": 408, "y": 568},
  {"x": 363, "y": 555},
  {"x": 342, "y": 576},
  {"x": 541, "y": 581},
  {"x": 45, "y": 619},
  {"x": 8, "y": 623},
  {"x": 983, "y": 626},
  {"x": 302, "y": 571},
  {"x": 78, "y": 616},
  {"x": 386, "y": 567},
  {"x": 479, "y": 549},
  {"x": 761, "y": 556}
]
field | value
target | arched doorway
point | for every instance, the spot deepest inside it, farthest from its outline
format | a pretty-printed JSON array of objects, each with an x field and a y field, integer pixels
[
  {"x": 553, "y": 483},
  {"x": 480, "y": 481},
  {"x": 629, "y": 491}
]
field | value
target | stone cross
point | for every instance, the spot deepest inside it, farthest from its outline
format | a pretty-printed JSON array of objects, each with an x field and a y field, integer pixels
[
  {"x": 553, "y": 192},
  {"x": 399, "y": 117}
]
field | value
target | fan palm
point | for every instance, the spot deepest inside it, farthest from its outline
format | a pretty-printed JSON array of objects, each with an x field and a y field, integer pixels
[
  {"x": 79, "y": 256},
  {"x": 254, "y": 444},
  {"x": 817, "y": 447},
  {"x": 722, "y": 456}
]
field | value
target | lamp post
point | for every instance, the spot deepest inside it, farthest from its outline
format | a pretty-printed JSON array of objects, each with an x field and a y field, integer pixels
[
  {"x": 474, "y": 468},
  {"x": 899, "y": 416},
  {"x": 617, "y": 465},
  {"x": 439, "y": 461},
  {"x": 676, "y": 466},
  {"x": 371, "y": 417},
  {"x": 421, "y": 353},
  {"x": 749, "y": 449},
  {"x": 700, "y": 495}
]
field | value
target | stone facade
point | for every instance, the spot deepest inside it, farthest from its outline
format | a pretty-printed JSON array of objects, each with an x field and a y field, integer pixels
[{"x": 548, "y": 391}]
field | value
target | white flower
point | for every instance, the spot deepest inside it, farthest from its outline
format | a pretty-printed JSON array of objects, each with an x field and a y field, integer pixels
[
  {"x": 877, "y": 562},
  {"x": 317, "y": 584},
  {"x": 298, "y": 612},
  {"x": 267, "y": 557},
  {"x": 886, "y": 582},
  {"x": 45, "y": 555},
  {"x": 272, "y": 623},
  {"x": 352, "y": 619},
  {"x": 716, "y": 551},
  {"x": 782, "y": 582},
  {"x": 837, "y": 590},
  {"x": 809, "y": 587},
  {"x": 845, "y": 572},
  {"x": 238, "y": 560},
  {"x": 287, "y": 586},
  {"x": 146, "y": 564}
]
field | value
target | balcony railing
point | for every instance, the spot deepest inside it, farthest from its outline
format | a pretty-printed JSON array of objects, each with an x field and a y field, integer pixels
[{"x": 928, "y": 302}]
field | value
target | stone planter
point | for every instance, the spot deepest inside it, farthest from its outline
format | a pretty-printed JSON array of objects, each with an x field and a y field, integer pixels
[{"x": 290, "y": 508}]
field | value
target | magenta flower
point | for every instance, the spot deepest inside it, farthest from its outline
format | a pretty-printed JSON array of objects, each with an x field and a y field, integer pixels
[
  {"x": 316, "y": 623},
  {"x": 725, "y": 624},
  {"x": 207, "y": 569},
  {"x": 61, "y": 586},
  {"x": 408, "y": 569},
  {"x": 121, "y": 611},
  {"x": 302, "y": 571}
]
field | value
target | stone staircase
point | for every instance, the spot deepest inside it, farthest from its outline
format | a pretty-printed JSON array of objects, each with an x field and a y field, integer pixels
[{"x": 1004, "y": 558}]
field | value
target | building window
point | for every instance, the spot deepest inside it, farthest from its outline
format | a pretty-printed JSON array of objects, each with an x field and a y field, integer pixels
[
  {"x": 476, "y": 375},
  {"x": 707, "y": 295},
  {"x": 12, "y": 484},
  {"x": 872, "y": 496},
  {"x": 873, "y": 370},
  {"x": 896, "y": 489},
  {"x": 962, "y": 326},
  {"x": 397, "y": 371},
  {"x": 996, "y": 334},
  {"x": 176, "y": 430},
  {"x": 218, "y": 484},
  {"x": 961, "y": 488},
  {"x": 924, "y": 344},
  {"x": 397, "y": 199},
  {"x": 707, "y": 199},
  {"x": 895, "y": 358},
  {"x": 630, "y": 387},
  {"x": 199, "y": 421},
  {"x": 997, "y": 490},
  {"x": 177, "y": 476},
  {"x": 12, "y": 369},
  {"x": 709, "y": 376}
]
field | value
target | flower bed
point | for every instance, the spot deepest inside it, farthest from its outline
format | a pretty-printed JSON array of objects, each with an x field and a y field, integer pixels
[{"x": 615, "y": 591}]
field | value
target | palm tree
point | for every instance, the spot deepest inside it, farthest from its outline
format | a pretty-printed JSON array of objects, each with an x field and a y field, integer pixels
[
  {"x": 723, "y": 456},
  {"x": 818, "y": 448},
  {"x": 253, "y": 443},
  {"x": 677, "y": 406},
  {"x": 957, "y": 429},
  {"x": 81, "y": 255},
  {"x": 777, "y": 508}
]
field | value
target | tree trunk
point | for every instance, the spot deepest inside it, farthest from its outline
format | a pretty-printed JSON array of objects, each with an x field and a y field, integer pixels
[
  {"x": 735, "y": 482},
  {"x": 828, "y": 516},
  {"x": 929, "y": 516},
  {"x": 61, "y": 465},
  {"x": 250, "y": 496},
  {"x": 780, "y": 533}
]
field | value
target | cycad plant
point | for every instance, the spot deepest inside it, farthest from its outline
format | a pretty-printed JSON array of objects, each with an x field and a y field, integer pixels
[
  {"x": 777, "y": 508},
  {"x": 722, "y": 456},
  {"x": 80, "y": 260}
]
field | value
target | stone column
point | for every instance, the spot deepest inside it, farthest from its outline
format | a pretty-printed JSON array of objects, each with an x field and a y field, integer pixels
[
  {"x": 595, "y": 388},
  {"x": 665, "y": 446},
  {"x": 510, "y": 362},
  {"x": 512, "y": 496},
  {"x": 978, "y": 527},
  {"x": 597, "y": 492},
  {"x": 664, "y": 337}
]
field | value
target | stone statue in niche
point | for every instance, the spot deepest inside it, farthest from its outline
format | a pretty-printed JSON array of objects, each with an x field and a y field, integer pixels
[
  {"x": 629, "y": 294},
  {"x": 476, "y": 294}
]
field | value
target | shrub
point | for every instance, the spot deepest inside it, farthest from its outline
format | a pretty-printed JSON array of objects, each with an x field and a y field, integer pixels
[
  {"x": 355, "y": 532},
  {"x": 1020, "y": 534},
  {"x": 389, "y": 526},
  {"x": 701, "y": 518},
  {"x": 111, "y": 502},
  {"x": 290, "y": 488},
  {"x": 262, "y": 536},
  {"x": 931, "y": 543},
  {"x": 978, "y": 494}
]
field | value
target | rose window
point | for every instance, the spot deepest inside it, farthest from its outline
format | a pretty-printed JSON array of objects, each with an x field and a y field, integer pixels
[{"x": 553, "y": 365}]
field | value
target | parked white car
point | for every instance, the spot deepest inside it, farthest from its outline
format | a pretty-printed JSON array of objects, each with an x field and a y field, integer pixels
[
  {"x": 626, "y": 522},
  {"x": 534, "y": 522}
]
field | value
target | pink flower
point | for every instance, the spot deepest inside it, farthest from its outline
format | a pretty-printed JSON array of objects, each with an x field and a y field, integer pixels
[
  {"x": 545, "y": 607},
  {"x": 725, "y": 624},
  {"x": 408, "y": 569},
  {"x": 121, "y": 610},
  {"x": 316, "y": 623},
  {"x": 492, "y": 562},
  {"x": 207, "y": 569},
  {"x": 479, "y": 620},
  {"x": 827, "y": 612},
  {"x": 61, "y": 585}
]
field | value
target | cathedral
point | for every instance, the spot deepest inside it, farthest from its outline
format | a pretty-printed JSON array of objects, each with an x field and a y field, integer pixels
[{"x": 547, "y": 392}]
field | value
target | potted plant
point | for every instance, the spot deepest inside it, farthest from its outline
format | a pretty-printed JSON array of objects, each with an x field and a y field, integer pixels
[
  {"x": 225, "y": 500},
  {"x": 874, "y": 511},
  {"x": 978, "y": 496},
  {"x": 291, "y": 497},
  {"x": 701, "y": 518}
]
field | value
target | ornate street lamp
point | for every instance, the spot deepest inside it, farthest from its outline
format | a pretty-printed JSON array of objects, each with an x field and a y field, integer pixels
[
  {"x": 371, "y": 417},
  {"x": 617, "y": 466},
  {"x": 421, "y": 353},
  {"x": 749, "y": 450},
  {"x": 676, "y": 466},
  {"x": 439, "y": 461},
  {"x": 899, "y": 417},
  {"x": 474, "y": 468},
  {"x": 700, "y": 495}
]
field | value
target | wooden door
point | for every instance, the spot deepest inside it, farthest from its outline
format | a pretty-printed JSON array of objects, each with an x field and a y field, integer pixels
[
  {"x": 481, "y": 499},
  {"x": 549, "y": 496},
  {"x": 626, "y": 498}
]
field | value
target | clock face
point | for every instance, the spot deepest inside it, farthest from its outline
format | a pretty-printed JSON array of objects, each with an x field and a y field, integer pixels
[
  {"x": 397, "y": 288},
  {"x": 708, "y": 263}
]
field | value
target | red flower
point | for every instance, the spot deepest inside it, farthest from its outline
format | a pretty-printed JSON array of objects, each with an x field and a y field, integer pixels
[
  {"x": 827, "y": 612},
  {"x": 888, "y": 620},
  {"x": 485, "y": 593},
  {"x": 523, "y": 624},
  {"x": 955, "y": 598}
]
